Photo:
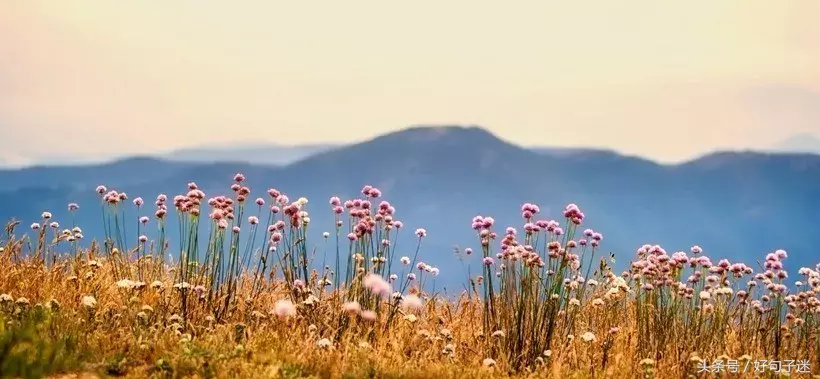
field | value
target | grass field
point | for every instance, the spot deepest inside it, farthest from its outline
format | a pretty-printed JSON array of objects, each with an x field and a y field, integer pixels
[{"x": 258, "y": 301}]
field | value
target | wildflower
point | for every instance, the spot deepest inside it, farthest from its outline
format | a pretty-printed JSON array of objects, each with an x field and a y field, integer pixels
[
  {"x": 311, "y": 300},
  {"x": 284, "y": 308},
  {"x": 705, "y": 295},
  {"x": 325, "y": 235},
  {"x": 312, "y": 328},
  {"x": 547, "y": 353},
  {"x": 125, "y": 284},
  {"x": 22, "y": 301},
  {"x": 488, "y": 362},
  {"x": 253, "y": 220},
  {"x": 89, "y": 302},
  {"x": 446, "y": 333},
  {"x": 377, "y": 284},
  {"x": 46, "y": 215},
  {"x": 449, "y": 349},
  {"x": 324, "y": 344},
  {"x": 498, "y": 334},
  {"x": 156, "y": 284},
  {"x": 35, "y": 226},
  {"x": 184, "y": 286},
  {"x": 588, "y": 337},
  {"x": 421, "y": 233},
  {"x": 411, "y": 318},
  {"x": 369, "y": 316},
  {"x": 598, "y": 302},
  {"x": 6, "y": 298},
  {"x": 364, "y": 345},
  {"x": 411, "y": 303},
  {"x": 143, "y": 239},
  {"x": 147, "y": 308},
  {"x": 175, "y": 318},
  {"x": 352, "y": 307}
]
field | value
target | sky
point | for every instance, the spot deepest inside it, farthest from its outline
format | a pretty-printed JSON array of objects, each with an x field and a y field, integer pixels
[{"x": 668, "y": 80}]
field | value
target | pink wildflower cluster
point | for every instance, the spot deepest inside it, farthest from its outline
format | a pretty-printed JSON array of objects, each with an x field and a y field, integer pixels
[{"x": 365, "y": 219}]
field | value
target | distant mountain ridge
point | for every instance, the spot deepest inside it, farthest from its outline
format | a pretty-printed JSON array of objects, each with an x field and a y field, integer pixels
[
  {"x": 439, "y": 178},
  {"x": 800, "y": 143}
]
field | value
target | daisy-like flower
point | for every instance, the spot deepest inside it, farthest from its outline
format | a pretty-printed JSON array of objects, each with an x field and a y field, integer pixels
[{"x": 89, "y": 302}]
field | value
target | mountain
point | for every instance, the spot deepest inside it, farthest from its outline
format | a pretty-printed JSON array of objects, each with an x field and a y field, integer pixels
[
  {"x": 800, "y": 143},
  {"x": 736, "y": 205},
  {"x": 249, "y": 153}
]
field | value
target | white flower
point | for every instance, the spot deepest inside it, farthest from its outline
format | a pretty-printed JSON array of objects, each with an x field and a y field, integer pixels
[
  {"x": 22, "y": 301},
  {"x": 588, "y": 337},
  {"x": 157, "y": 284},
  {"x": 89, "y": 302},
  {"x": 498, "y": 334},
  {"x": 410, "y": 318},
  {"x": 705, "y": 295},
  {"x": 325, "y": 235},
  {"x": 411, "y": 303},
  {"x": 547, "y": 353},
  {"x": 324, "y": 343},
  {"x": 284, "y": 308},
  {"x": 311, "y": 300},
  {"x": 405, "y": 260},
  {"x": 302, "y": 201},
  {"x": 125, "y": 284},
  {"x": 488, "y": 362},
  {"x": 6, "y": 298}
]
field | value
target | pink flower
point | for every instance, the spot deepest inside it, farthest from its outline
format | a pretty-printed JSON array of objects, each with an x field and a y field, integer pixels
[
  {"x": 236, "y": 229},
  {"x": 276, "y": 237},
  {"x": 284, "y": 308},
  {"x": 253, "y": 220},
  {"x": 239, "y": 178},
  {"x": 35, "y": 226},
  {"x": 352, "y": 307},
  {"x": 421, "y": 232},
  {"x": 273, "y": 193},
  {"x": 260, "y": 201},
  {"x": 369, "y": 315},
  {"x": 101, "y": 189},
  {"x": 73, "y": 207},
  {"x": 488, "y": 261},
  {"x": 335, "y": 201},
  {"x": 143, "y": 239},
  {"x": 352, "y": 236},
  {"x": 376, "y": 284},
  {"x": 143, "y": 220}
]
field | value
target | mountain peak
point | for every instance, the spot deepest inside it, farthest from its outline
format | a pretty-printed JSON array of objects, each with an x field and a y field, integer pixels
[{"x": 429, "y": 133}]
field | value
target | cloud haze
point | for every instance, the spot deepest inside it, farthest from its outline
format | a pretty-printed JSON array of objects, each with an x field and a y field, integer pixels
[{"x": 660, "y": 79}]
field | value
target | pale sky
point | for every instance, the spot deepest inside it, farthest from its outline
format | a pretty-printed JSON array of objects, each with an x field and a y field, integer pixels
[{"x": 663, "y": 79}]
